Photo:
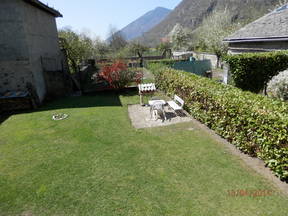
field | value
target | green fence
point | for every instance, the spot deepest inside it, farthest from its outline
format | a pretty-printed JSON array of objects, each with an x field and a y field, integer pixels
[{"x": 196, "y": 67}]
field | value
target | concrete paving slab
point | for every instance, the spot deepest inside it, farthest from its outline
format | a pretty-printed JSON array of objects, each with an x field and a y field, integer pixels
[{"x": 141, "y": 118}]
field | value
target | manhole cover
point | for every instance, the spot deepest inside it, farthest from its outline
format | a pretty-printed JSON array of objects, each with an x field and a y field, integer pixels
[{"x": 58, "y": 117}]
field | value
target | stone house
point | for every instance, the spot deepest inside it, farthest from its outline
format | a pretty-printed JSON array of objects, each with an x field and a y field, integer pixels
[
  {"x": 30, "y": 54},
  {"x": 268, "y": 33}
]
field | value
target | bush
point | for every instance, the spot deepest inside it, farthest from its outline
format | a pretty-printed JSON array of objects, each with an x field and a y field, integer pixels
[
  {"x": 278, "y": 86},
  {"x": 167, "y": 62},
  {"x": 253, "y": 71},
  {"x": 119, "y": 76},
  {"x": 257, "y": 125}
]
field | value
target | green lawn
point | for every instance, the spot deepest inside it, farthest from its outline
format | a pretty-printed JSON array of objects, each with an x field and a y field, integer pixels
[{"x": 95, "y": 163}]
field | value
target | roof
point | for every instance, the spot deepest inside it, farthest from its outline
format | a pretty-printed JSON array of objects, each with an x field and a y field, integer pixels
[
  {"x": 44, "y": 7},
  {"x": 271, "y": 27}
]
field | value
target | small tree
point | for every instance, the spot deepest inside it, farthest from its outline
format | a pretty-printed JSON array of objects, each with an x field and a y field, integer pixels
[
  {"x": 180, "y": 37},
  {"x": 139, "y": 50},
  {"x": 213, "y": 30},
  {"x": 116, "y": 40},
  {"x": 166, "y": 49},
  {"x": 78, "y": 47},
  {"x": 101, "y": 48}
]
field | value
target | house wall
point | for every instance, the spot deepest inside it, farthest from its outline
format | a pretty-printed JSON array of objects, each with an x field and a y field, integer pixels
[
  {"x": 28, "y": 47},
  {"x": 42, "y": 37},
  {"x": 14, "y": 55},
  {"x": 244, "y": 47},
  {"x": 206, "y": 56}
]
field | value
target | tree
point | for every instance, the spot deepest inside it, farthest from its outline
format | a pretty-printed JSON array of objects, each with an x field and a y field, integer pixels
[
  {"x": 116, "y": 40},
  {"x": 101, "y": 48},
  {"x": 166, "y": 49},
  {"x": 139, "y": 50},
  {"x": 213, "y": 30},
  {"x": 79, "y": 47},
  {"x": 180, "y": 37}
]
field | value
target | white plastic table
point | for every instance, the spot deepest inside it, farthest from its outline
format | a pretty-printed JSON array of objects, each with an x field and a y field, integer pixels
[
  {"x": 157, "y": 106},
  {"x": 151, "y": 102}
]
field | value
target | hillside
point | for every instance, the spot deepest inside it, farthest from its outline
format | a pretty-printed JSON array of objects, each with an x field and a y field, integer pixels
[
  {"x": 144, "y": 23},
  {"x": 190, "y": 14}
]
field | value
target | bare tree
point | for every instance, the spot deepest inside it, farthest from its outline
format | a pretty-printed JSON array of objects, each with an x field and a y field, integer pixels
[
  {"x": 101, "y": 48},
  {"x": 166, "y": 49},
  {"x": 138, "y": 49},
  {"x": 116, "y": 40}
]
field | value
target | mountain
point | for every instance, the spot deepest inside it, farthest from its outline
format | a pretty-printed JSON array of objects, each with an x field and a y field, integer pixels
[
  {"x": 144, "y": 23},
  {"x": 190, "y": 14}
]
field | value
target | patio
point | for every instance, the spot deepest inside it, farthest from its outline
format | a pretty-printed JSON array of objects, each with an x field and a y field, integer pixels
[{"x": 141, "y": 118}]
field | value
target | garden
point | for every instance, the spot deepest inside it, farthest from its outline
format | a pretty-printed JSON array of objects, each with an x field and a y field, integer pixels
[{"x": 95, "y": 163}]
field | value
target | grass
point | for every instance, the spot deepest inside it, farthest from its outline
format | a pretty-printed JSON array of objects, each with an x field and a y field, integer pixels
[{"x": 95, "y": 163}]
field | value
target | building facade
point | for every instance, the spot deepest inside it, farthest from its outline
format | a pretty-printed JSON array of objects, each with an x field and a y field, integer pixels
[{"x": 29, "y": 47}]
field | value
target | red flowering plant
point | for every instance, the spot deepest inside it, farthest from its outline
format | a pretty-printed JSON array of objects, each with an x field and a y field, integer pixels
[{"x": 119, "y": 76}]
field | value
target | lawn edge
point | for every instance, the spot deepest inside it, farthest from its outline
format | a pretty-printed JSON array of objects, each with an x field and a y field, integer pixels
[{"x": 254, "y": 163}]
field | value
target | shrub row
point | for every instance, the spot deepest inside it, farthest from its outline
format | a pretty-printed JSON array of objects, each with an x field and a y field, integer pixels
[
  {"x": 255, "y": 124},
  {"x": 252, "y": 71},
  {"x": 167, "y": 62}
]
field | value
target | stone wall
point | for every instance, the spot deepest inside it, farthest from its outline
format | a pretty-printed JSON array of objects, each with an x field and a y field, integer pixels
[
  {"x": 14, "y": 75},
  {"x": 13, "y": 43},
  {"x": 12, "y": 104},
  {"x": 28, "y": 47},
  {"x": 57, "y": 83},
  {"x": 14, "y": 55},
  {"x": 42, "y": 37}
]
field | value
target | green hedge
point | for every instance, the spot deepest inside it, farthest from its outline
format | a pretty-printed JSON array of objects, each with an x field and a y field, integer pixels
[
  {"x": 253, "y": 71},
  {"x": 255, "y": 124},
  {"x": 167, "y": 62}
]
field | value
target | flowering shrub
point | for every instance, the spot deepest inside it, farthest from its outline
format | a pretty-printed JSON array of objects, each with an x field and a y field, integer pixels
[
  {"x": 278, "y": 86},
  {"x": 119, "y": 76}
]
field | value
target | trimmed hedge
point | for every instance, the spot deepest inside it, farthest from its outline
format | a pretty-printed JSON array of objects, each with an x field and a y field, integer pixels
[
  {"x": 252, "y": 71},
  {"x": 255, "y": 124},
  {"x": 167, "y": 62}
]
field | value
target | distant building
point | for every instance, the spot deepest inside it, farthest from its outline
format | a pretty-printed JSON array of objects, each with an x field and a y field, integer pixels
[
  {"x": 269, "y": 33},
  {"x": 182, "y": 55},
  {"x": 30, "y": 55},
  {"x": 165, "y": 40}
]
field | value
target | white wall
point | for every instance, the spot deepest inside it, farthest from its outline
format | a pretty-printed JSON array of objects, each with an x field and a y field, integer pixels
[{"x": 207, "y": 56}]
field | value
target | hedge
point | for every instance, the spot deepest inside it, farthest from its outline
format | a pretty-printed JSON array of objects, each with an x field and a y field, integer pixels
[
  {"x": 255, "y": 124},
  {"x": 252, "y": 71},
  {"x": 167, "y": 62}
]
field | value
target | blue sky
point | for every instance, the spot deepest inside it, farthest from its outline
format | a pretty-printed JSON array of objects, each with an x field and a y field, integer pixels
[{"x": 95, "y": 16}]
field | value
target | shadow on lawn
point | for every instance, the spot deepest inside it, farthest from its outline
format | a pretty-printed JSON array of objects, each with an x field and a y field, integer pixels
[
  {"x": 99, "y": 99},
  {"x": 4, "y": 117}
]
